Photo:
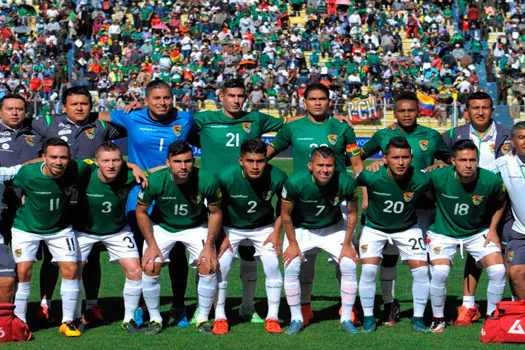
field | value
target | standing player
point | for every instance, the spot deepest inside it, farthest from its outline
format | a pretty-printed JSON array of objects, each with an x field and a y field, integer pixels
[
  {"x": 317, "y": 129},
  {"x": 44, "y": 217},
  {"x": 150, "y": 130},
  {"x": 221, "y": 134},
  {"x": 247, "y": 191},
  {"x": 179, "y": 215},
  {"x": 470, "y": 202},
  {"x": 101, "y": 217},
  {"x": 393, "y": 192},
  {"x": 511, "y": 167},
  {"x": 426, "y": 145},
  {"x": 312, "y": 219},
  {"x": 493, "y": 141}
]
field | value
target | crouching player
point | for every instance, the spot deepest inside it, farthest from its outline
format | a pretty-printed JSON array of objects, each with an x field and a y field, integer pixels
[
  {"x": 312, "y": 220},
  {"x": 391, "y": 217},
  {"x": 247, "y": 191},
  {"x": 470, "y": 202},
  {"x": 180, "y": 215},
  {"x": 100, "y": 217}
]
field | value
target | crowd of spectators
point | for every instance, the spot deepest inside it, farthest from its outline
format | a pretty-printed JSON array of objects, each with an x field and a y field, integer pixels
[{"x": 117, "y": 46}]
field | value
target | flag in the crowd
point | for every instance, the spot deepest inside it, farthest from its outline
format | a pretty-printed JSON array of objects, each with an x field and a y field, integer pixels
[
  {"x": 426, "y": 104},
  {"x": 363, "y": 109}
]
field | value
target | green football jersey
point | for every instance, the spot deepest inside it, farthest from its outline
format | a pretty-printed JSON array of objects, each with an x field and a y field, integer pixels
[
  {"x": 304, "y": 135},
  {"x": 221, "y": 137},
  {"x": 318, "y": 206},
  {"x": 101, "y": 208},
  {"x": 426, "y": 143},
  {"x": 392, "y": 204},
  {"x": 180, "y": 206},
  {"x": 44, "y": 209},
  {"x": 463, "y": 209},
  {"x": 248, "y": 204}
]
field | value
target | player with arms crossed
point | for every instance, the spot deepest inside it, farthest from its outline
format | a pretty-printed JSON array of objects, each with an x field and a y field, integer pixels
[
  {"x": 248, "y": 214},
  {"x": 393, "y": 192},
  {"x": 312, "y": 219},
  {"x": 101, "y": 217},
  {"x": 470, "y": 202},
  {"x": 180, "y": 215}
]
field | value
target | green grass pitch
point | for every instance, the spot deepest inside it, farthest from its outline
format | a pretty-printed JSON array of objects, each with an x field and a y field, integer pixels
[{"x": 323, "y": 333}]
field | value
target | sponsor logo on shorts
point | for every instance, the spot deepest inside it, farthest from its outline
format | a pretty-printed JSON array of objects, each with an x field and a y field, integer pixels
[
  {"x": 364, "y": 248},
  {"x": 477, "y": 199},
  {"x": 423, "y": 144},
  {"x": 196, "y": 199},
  {"x": 506, "y": 148},
  {"x": 177, "y": 130},
  {"x": 334, "y": 200},
  {"x": 90, "y": 133},
  {"x": 436, "y": 250},
  {"x": 510, "y": 256},
  {"x": 408, "y": 196},
  {"x": 18, "y": 252},
  {"x": 332, "y": 139},
  {"x": 30, "y": 140},
  {"x": 247, "y": 127}
]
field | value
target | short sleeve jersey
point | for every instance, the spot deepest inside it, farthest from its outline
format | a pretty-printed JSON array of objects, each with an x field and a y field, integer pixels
[
  {"x": 426, "y": 143},
  {"x": 391, "y": 203},
  {"x": 248, "y": 203},
  {"x": 463, "y": 209},
  {"x": 221, "y": 136},
  {"x": 180, "y": 206},
  {"x": 148, "y": 139},
  {"x": 45, "y": 205},
  {"x": 318, "y": 206},
  {"x": 101, "y": 206},
  {"x": 304, "y": 135}
]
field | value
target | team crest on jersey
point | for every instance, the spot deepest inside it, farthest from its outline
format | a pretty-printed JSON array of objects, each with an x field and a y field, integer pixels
[
  {"x": 177, "y": 130},
  {"x": 18, "y": 252},
  {"x": 510, "y": 256},
  {"x": 334, "y": 200},
  {"x": 408, "y": 196},
  {"x": 477, "y": 199},
  {"x": 30, "y": 140},
  {"x": 436, "y": 250},
  {"x": 506, "y": 148},
  {"x": 492, "y": 147},
  {"x": 247, "y": 127},
  {"x": 90, "y": 133},
  {"x": 332, "y": 139},
  {"x": 423, "y": 144},
  {"x": 122, "y": 193},
  {"x": 267, "y": 195},
  {"x": 196, "y": 199},
  {"x": 364, "y": 248}
]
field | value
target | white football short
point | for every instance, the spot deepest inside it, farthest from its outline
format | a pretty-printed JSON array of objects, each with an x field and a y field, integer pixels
[
  {"x": 252, "y": 236},
  {"x": 63, "y": 245},
  {"x": 311, "y": 241},
  {"x": 120, "y": 245},
  {"x": 410, "y": 243},
  {"x": 193, "y": 238},
  {"x": 445, "y": 247}
]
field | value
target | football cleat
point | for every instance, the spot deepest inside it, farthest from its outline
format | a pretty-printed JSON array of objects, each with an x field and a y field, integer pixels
[
  {"x": 220, "y": 326},
  {"x": 418, "y": 325},
  {"x": 354, "y": 317},
  {"x": 204, "y": 328},
  {"x": 272, "y": 326},
  {"x": 308, "y": 314},
  {"x": 369, "y": 324},
  {"x": 194, "y": 317},
  {"x": 391, "y": 312},
  {"x": 69, "y": 329},
  {"x": 94, "y": 315},
  {"x": 179, "y": 316},
  {"x": 348, "y": 327},
  {"x": 438, "y": 325},
  {"x": 43, "y": 314},
  {"x": 466, "y": 316},
  {"x": 250, "y": 315},
  {"x": 153, "y": 328},
  {"x": 296, "y": 327}
]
